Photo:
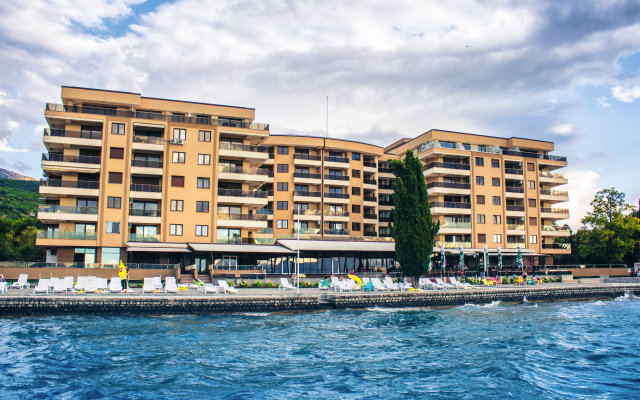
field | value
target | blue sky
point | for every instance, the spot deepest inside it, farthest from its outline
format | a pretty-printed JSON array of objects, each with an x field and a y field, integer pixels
[{"x": 565, "y": 71}]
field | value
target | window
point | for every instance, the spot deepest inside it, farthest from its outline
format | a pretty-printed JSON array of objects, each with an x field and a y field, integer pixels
[
  {"x": 482, "y": 238},
  {"x": 355, "y": 156},
  {"x": 533, "y": 221},
  {"x": 178, "y": 157},
  {"x": 177, "y": 181},
  {"x": 448, "y": 145},
  {"x": 204, "y": 159},
  {"x": 110, "y": 255},
  {"x": 115, "y": 177},
  {"x": 203, "y": 183},
  {"x": 497, "y": 238},
  {"x": 479, "y": 161},
  {"x": 113, "y": 227},
  {"x": 179, "y": 133},
  {"x": 204, "y": 136},
  {"x": 532, "y": 203},
  {"x": 117, "y": 128},
  {"x": 202, "y": 230},
  {"x": 355, "y": 173},
  {"x": 355, "y": 226},
  {"x": 355, "y": 208},
  {"x": 283, "y": 205},
  {"x": 497, "y": 219},
  {"x": 282, "y": 224},
  {"x": 283, "y": 186},
  {"x": 175, "y": 229},
  {"x": 479, "y": 199},
  {"x": 496, "y": 200},
  {"x": 495, "y": 163},
  {"x": 466, "y": 146},
  {"x": 114, "y": 202},
  {"x": 482, "y": 148},
  {"x": 202, "y": 206},
  {"x": 283, "y": 150},
  {"x": 177, "y": 205},
  {"x": 533, "y": 239},
  {"x": 495, "y": 181},
  {"x": 116, "y": 152},
  {"x": 480, "y": 218},
  {"x": 480, "y": 180},
  {"x": 355, "y": 191},
  {"x": 531, "y": 184},
  {"x": 283, "y": 168},
  {"x": 531, "y": 166}
]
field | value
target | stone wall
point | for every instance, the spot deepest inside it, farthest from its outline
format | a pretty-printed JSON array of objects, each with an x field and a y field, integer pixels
[{"x": 37, "y": 273}]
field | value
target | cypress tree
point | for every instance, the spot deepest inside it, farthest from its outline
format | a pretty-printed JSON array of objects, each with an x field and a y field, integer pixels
[{"x": 413, "y": 228}]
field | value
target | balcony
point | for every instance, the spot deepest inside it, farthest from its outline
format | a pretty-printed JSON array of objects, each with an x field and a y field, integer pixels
[
  {"x": 514, "y": 211},
  {"x": 57, "y": 238},
  {"x": 554, "y": 196},
  {"x": 134, "y": 237},
  {"x": 243, "y": 152},
  {"x": 370, "y": 216},
  {"x": 338, "y": 198},
  {"x": 554, "y": 213},
  {"x": 336, "y": 232},
  {"x": 449, "y": 188},
  {"x": 146, "y": 167},
  {"x": 336, "y": 162},
  {"x": 385, "y": 172},
  {"x": 514, "y": 192},
  {"x": 306, "y": 231},
  {"x": 307, "y": 160},
  {"x": 51, "y": 213},
  {"x": 139, "y": 216},
  {"x": 306, "y": 178},
  {"x": 54, "y": 188},
  {"x": 552, "y": 178},
  {"x": 336, "y": 216},
  {"x": 152, "y": 143},
  {"x": 237, "y": 196},
  {"x": 449, "y": 207},
  {"x": 369, "y": 166},
  {"x": 555, "y": 231},
  {"x": 307, "y": 215},
  {"x": 248, "y": 221},
  {"x": 515, "y": 229},
  {"x": 556, "y": 248},
  {"x": 447, "y": 227},
  {"x": 446, "y": 168},
  {"x": 370, "y": 201},
  {"x": 534, "y": 155},
  {"x": 307, "y": 196},
  {"x": 145, "y": 191},
  {"x": 370, "y": 234},
  {"x": 453, "y": 245},
  {"x": 60, "y": 138},
  {"x": 248, "y": 175},
  {"x": 68, "y": 163},
  {"x": 337, "y": 180},
  {"x": 513, "y": 173},
  {"x": 514, "y": 245}
]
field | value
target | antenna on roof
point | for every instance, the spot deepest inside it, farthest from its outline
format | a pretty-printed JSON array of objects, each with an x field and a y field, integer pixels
[{"x": 327, "y": 116}]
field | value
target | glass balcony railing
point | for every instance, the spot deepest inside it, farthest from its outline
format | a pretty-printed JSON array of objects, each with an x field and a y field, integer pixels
[
  {"x": 515, "y": 227},
  {"x": 259, "y": 194},
  {"x": 369, "y": 164},
  {"x": 67, "y": 235},
  {"x": 340, "y": 232},
  {"x": 515, "y": 208},
  {"x": 561, "y": 246},
  {"x": 369, "y": 181},
  {"x": 136, "y": 212},
  {"x": 370, "y": 216},
  {"x": 242, "y": 217},
  {"x": 134, "y": 237},
  {"x": 329, "y": 213},
  {"x": 148, "y": 139},
  {"x": 81, "y": 134},
  {"x": 242, "y": 170},
  {"x": 550, "y": 228},
  {"x": 455, "y": 225},
  {"x": 71, "y": 159},
  {"x": 265, "y": 231},
  {"x": 370, "y": 198},
  {"x": 307, "y": 231},
  {"x": 306, "y": 212},
  {"x": 336, "y": 159},
  {"x": 242, "y": 147},
  {"x": 557, "y": 193},
  {"x": 138, "y": 187},
  {"x": 146, "y": 163},
  {"x": 332, "y": 195},
  {"x": 514, "y": 245},
  {"x": 337, "y": 177},
  {"x": 449, "y": 204},
  {"x": 513, "y": 171},
  {"x": 70, "y": 184},
  {"x": 67, "y": 209},
  {"x": 306, "y": 175},
  {"x": 514, "y": 189},
  {"x": 447, "y": 165},
  {"x": 306, "y": 193},
  {"x": 449, "y": 185},
  {"x": 453, "y": 245},
  {"x": 301, "y": 156},
  {"x": 555, "y": 210},
  {"x": 547, "y": 174}
]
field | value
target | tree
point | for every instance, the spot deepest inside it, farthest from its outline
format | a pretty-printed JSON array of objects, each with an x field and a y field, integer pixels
[
  {"x": 413, "y": 228},
  {"x": 607, "y": 205}
]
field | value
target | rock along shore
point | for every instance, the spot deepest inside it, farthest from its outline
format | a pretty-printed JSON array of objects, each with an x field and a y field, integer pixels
[{"x": 25, "y": 303}]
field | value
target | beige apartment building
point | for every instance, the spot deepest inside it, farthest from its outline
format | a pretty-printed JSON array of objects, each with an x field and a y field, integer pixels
[{"x": 156, "y": 181}]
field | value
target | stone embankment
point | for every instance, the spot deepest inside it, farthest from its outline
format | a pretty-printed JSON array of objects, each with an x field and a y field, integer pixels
[{"x": 27, "y": 304}]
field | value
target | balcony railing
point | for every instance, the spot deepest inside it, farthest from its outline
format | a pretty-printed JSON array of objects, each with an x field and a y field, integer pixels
[
  {"x": 307, "y": 231},
  {"x": 450, "y": 204},
  {"x": 336, "y": 159},
  {"x": 241, "y": 170},
  {"x": 455, "y": 225},
  {"x": 48, "y": 208},
  {"x": 370, "y": 216},
  {"x": 547, "y": 174},
  {"x": 95, "y": 135},
  {"x": 139, "y": 187},
  {"x": 67, "y": 235},
  {"x": 384, "y": 170},
  {"x": 370, "y": 198},
  {"x": 514, "y": 189},
  {"x": 370, "y": 234},
  {"x": 385, "y": 202},
  {"x": 369, "y": 164},
  {"x": 71, "y": 159},
  {"x": 146, "y": 163},
  {"x": 242, "y": 193},
  {"x": 559, "y": 193},
  {"x": 514, "y": 245},
  {"x": 297, "y": 211},
  {"x": 385, "y": 186},
  {"x": 265, "y": 231},
  {"x": 447, "y": 165},
  {"x": 337, "y": 195},
  {"x": 306, "y": 175},
  {"x": 551, "y": 228},
  {"x": 242, "y": 217},
  {"x": 562, "y": 246},
  {"x": 133, "y": 237},
  {"x": 329, "y": 213},
  {"x": 385, "y": 218},
  {"x": 301, "y": 156},
  {"x": 449, "y": 185},
  {"x": 554, "y": 210},
  {"x": 369, "y": 181},
  {"x": 148, "y": 139},
  {"x": 155, "y": 115},
  {"x": 136, "y": 212},
  {"x": 453, "y": 245},
  {"x": 336, "y": 232},
  {"x": 264, "y": 211},
  {"x": 337, "y": 177},
  {"x": 515, "y": 208},
  {"x": 70, "y": 184},
  {"x": 513, "y": 171},
  {"x": 307, "y": 193},
  {"x": 242, "y": 147},
  {"x": 515, "y": 227},
  {"x": 533, "y": 155}
]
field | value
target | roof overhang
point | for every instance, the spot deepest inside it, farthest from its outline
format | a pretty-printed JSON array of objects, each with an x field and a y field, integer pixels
[
  {"x": 338, "y": 245},
  {"x": 240, "y": 248},
  {"x": 158, "y": 247}
]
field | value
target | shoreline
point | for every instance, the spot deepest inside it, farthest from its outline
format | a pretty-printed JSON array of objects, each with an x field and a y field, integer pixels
[{"x": 27, "y": 303}]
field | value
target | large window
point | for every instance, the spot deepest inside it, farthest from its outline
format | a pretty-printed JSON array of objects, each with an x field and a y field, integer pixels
[
  {"x": 202, "y": 230},
  {"x": 117, "y": 128},
  {"x": 203, "y": 183},
  {"x": 204, "y": 136},
  {"x": 111, "y": 255},
  {"x": 179, "y": 133},
  {"x": 202, "y": 206},
  {"x": 224, "y": 235},
  {"x": 175, "y": 229},
  {"x": 204, "y": 159},
  {"x": 178, "y": 157},
  {"x": 114, "y": 202}
]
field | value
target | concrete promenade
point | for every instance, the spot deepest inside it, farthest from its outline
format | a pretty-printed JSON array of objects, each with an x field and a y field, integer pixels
[{"x": 25, "y": 302}]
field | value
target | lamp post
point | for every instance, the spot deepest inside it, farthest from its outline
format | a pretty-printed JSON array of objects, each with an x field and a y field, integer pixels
[
  {"x": 485, "y": 249},
  {"x": 298, "y": 254}
]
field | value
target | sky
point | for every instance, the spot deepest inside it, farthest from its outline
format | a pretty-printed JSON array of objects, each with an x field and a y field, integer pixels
[{"x": 562, "y": 71}]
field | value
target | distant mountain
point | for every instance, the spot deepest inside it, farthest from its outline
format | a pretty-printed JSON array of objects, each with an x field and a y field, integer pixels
[{"x": 6, "y": 174}]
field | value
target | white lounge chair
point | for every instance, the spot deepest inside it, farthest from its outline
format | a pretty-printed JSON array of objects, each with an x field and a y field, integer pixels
[
  {"x": 378, "y": 285},
  {"x": 3, "y": 287},
  {"x": 68, "y": 283},
  {"x": 81, "y": 284},
  {"x": 444, "y": 284},
  {"x": 285, "y": 285},
  {"x": 42, "y": 286},
  {"x": 390, "y": 284},
  {"x": 225, "y": 286},
  {"x": 147, "y": 285},
  {"x": 157, "y": 283},
  {"x": 115, "y": 285},
  {"x": 59, "y": 285},
  {"x": 91, "y": 284},
  {"x": 170, "y": 284},
  {"x": 335, "y": 284},
  {"x": 209, "y": 288},
  {"x": 460, "y": 285},
  {"x": 350, "y": 285},
  {"x": 425, "y": 283},
  {"x": 22, "y": 282}
]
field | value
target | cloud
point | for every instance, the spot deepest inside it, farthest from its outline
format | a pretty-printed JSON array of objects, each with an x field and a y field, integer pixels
[
  {"x": 21, "y": 166},
  {"x": 603, "y": 102},
  {"x": 582, "y": 186},
  {"x": 626, "y": 94},
  {"x": 5, "y": 146},
  {"x": 563, "y": 129}
]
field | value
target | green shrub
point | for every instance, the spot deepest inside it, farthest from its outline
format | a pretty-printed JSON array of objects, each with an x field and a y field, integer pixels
[
  {"x": 269, "y": 285},
  {"x": 505, "y": 281},
  {"x": 258, "y": 284}
]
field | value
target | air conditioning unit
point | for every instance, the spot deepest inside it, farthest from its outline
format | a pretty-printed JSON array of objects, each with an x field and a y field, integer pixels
[
  {"x": 179, "y": 141},
  {"x": 173, "y": 141}
]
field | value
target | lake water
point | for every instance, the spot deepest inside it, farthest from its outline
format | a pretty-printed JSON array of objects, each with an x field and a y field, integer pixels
[{"x": 530, "y": 351}]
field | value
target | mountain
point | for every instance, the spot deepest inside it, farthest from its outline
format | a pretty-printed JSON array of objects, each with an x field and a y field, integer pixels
[{"x": 6, "y": 174}]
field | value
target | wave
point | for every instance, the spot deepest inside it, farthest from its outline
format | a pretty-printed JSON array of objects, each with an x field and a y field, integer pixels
[
  {"x": 493, "y": 304},
  {"x": 626, "y": 296},
  {"x": 256, "y": 314},
  {"x": 396, "y": 309},
  {"x": 524, "y": 300}
]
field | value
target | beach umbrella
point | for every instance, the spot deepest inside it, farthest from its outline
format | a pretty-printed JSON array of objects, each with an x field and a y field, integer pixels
[
  {"x": 442, "y": 258},
  {"x": 461, "y": 258},
  {"x": 485, "y": 249},
  {"x": 499, "y": 258},
  {"x": 519, "y": 257}
]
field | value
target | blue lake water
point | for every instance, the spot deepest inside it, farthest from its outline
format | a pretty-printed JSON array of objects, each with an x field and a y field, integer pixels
[{"x": 530, "y": 351}]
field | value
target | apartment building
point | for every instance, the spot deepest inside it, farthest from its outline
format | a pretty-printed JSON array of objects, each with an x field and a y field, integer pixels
[{"x": 151, "y": 180}]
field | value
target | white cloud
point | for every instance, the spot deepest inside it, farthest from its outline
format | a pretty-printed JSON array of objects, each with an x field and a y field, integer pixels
[
  {"x": 582, "y": 186},
  {"x": 563, "y": 129},
  {"x": 603, "y": 102},
  {"x": 626, "y": 94},
  {"x": 5, "y": 146}
]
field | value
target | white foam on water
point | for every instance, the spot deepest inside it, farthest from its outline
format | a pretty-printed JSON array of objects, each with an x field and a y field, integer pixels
[
  {"x": 398, "y": 309},
  {"x": 524, "y": 300},
  {"x": 599, "y": 303},
  {"x": 493, "y": 304},
  {"x": 256, "y": 314},
  {"x": 626, "y": 296}
]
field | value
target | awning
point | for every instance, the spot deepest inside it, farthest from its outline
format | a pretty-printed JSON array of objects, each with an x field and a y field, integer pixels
[
  {"x": 338, "y": 245},
  {"x": 158, "y": 247},
  {"x": 240, "y": 248},
  {"x": 157, "y": 126}
]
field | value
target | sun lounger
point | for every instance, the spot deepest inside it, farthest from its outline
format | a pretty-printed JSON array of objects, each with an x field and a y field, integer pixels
[
  {"x": 81, "y": 284},
  {"x": 147, "y": 285},
  {"x": 68, "y": 283},
  {"x": 115, "y": 285},
  {"x": 390, "y": 284},
  {"x": 170, "y": 285},
  {"x": 335, "y": 284},
  {"x": 59, "y": 285},
  {"x": 425, "y": 283},
  {"x": 91, "y": 285},
  {"x": 208, "y": 288},
  {"x": 459, "y": 285},
  {"x": 444, "y": 284},
  {"x": 22, "y": 282},
  {"x": 42, "y": 286},
  {"x": 285, "y": 285},
  {"x": 157, "y": 283},
  {"x": 349, "y": 284},
  {"x": 377, "y": 284},
  {"x": 225, "y": 286}
]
